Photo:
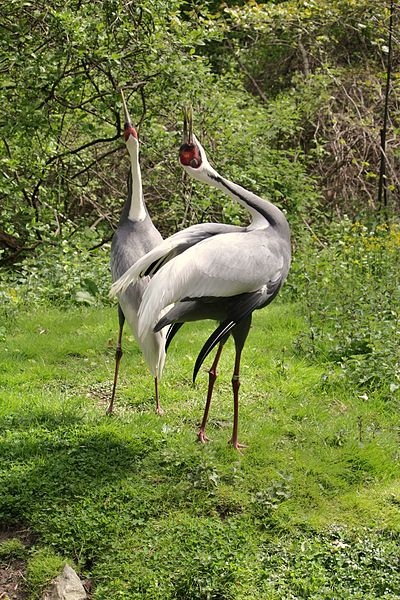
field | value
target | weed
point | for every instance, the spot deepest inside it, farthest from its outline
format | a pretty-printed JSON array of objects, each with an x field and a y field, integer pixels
[
  {"x": 43, "y": 565},
  {"x": 12, "y": 549}
]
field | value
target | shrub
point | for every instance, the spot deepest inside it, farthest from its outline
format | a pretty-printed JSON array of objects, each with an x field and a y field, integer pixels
[
  {"x": 350, "y": 293},
  {"x": 64, "y": 272}
]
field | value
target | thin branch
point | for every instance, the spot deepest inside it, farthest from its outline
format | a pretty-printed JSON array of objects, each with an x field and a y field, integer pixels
[
  {"x": 306, "y": 62},
  {"x": 246, "y": 72},
  {"x": 94, "y": 162},
  {"x": 88, "y": 144},
  {"x": 9, "y": 240},
  {"x": 313, "y": 233},
  {"x": 13, "y": 257},
  {"x": 382, "y": 186},
  {"x": 143, "y": 97}
]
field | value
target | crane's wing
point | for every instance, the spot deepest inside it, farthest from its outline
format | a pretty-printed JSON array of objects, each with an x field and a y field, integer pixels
[
  {"x": 151, "y": 262},
  {"x": 224, "y": 266}
]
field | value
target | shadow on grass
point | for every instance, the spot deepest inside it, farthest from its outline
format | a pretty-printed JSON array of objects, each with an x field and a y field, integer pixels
[
  {"x": 51, "y": 459},
  {"x": 82, "y": 485}
]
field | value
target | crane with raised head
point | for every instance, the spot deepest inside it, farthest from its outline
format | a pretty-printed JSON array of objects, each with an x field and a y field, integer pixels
[
  {"x": 214, "y": 271},
  {"x": 134, "y": 237}
]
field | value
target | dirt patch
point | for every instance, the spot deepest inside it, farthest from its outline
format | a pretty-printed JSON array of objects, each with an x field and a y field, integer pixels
[
  {"x": 12, "y": 570},
  {"x": 12, "y": 581},
  {"x": 21, "y": 533},
  {"x": 100, "y": 393}
]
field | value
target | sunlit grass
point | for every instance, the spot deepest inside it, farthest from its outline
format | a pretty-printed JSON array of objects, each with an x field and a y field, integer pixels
[{"x": 139, "y": 505}]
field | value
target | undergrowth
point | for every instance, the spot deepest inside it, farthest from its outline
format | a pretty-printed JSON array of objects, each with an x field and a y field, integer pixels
[{"x": 349, "y": 285}]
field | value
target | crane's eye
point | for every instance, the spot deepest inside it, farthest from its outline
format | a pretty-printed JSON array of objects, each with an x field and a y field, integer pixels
[{"x": 194, "y": 163}]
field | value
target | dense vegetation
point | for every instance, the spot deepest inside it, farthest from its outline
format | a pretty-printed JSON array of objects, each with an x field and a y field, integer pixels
[
  {"x": 288, "y": 99},
  {"x": 273, "y": 85}
]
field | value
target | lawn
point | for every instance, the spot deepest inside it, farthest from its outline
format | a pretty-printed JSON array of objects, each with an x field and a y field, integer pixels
[{"x": 309, "y": 510}]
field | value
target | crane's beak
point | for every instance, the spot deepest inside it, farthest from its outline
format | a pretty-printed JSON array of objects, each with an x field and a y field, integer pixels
[
  {"x": 128, "y": 127},
  {"x": 126, "y": 113},
  {"x": 188, "y": 125}
]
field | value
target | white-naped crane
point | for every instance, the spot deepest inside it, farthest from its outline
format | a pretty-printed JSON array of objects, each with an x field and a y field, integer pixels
[
  {"x": 214, "y": 271},
  {"x": 134, "y": 237}
]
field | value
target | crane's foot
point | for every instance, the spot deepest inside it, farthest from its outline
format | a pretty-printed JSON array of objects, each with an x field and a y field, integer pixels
[
  {"x": 159, "y": 411},
  {"x": 110, "y": 411},
  {"x": 236, "y": 444},
  {"x": 201, "y": 436}
]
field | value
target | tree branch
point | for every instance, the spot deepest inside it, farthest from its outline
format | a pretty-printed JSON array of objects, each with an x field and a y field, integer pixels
[{"x": 246, "y": 72}]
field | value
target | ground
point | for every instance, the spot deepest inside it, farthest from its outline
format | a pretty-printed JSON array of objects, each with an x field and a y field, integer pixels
[
  {"x": 310, "y": 509},
  {"x": 13, "y": 570}
]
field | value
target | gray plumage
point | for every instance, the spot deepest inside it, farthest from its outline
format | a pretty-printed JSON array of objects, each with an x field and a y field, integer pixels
[
  {"x": 134, "y": 237},
  {"x": 131, "y": 241}
]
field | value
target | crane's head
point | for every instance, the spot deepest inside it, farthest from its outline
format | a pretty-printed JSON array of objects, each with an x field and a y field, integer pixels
[
  {"x": 130, "y": 132},
  {"x": 191, "y": 153}
]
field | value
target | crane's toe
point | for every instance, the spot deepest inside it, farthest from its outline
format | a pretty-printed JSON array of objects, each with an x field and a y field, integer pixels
[
  {"x": 201, "y": 436},
  {"x": 236, "y": 444}
]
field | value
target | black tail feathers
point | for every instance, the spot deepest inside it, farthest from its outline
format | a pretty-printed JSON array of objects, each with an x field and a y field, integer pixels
[{"x": 218, "y": 335}]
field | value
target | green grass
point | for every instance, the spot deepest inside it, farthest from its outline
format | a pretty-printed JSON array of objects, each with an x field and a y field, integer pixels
[{"x": 309, "y": 510}]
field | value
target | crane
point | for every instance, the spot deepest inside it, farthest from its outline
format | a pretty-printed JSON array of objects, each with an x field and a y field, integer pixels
[
  {"x": 134, "y": 237},
  {"x": 214, "y": 271}
]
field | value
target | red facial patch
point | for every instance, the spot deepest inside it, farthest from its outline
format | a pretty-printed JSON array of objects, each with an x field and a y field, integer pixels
[
  {"x": 190, "y": 156},
  {"x": 129, "y": 130}
]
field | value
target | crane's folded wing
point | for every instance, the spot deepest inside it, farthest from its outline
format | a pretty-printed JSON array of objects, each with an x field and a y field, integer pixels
[
  {"x": 223, "y": 266},
  {"x": 173, "y": 246}
]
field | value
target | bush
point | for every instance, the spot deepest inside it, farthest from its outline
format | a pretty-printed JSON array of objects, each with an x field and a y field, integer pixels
[
  {"x": 63, "y": 272},
  {"x": 350, "y": 293}
]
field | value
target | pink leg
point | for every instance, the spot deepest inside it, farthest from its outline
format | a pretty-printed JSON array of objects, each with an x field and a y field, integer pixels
[
  {"x": 240, "y": 333},
  {"x": 118, "y": 356},
  {"x": 212, "y": 376},
  {"x": 159, "y": 410},
  {"x": 235, "y": 388}
]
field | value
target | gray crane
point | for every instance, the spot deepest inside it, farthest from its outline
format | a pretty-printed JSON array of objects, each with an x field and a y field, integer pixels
[
  {"x": 214, "y": 271},
  {"x": 134, "y": 237}
]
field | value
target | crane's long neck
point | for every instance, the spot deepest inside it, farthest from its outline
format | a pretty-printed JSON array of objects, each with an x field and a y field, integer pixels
[
  {"x": 135, "y": 201},
  {"x": 262, "y": 211}
]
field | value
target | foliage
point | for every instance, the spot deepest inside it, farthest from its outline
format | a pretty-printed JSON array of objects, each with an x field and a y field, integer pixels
[
  {"x": 278, "y": 88},
  {"x": 331, "y": 563},
  {"x": 326, "y": 61},
  {"x": 61, "y": 110},
  {"x": 285, "y": 38},
  {"x": 351, "y": 297},
  {"x": 63, "y": 272}
]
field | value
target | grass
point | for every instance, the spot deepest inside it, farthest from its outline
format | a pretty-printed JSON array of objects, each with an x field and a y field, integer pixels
[{"x": 309, "y": 510}]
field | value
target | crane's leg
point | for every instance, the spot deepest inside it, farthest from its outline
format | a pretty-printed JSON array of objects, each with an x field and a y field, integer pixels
[
  {"x": 235, "y": 388},
  {"x": 118, "y": 356},
  {"x": 159, "y": 410},
  {"x": 212, "y": 376},
  {"x": 240, "y": 333}
]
